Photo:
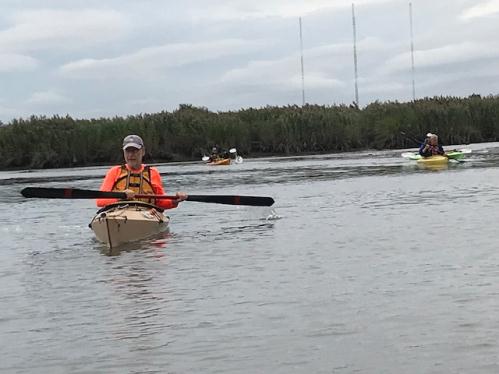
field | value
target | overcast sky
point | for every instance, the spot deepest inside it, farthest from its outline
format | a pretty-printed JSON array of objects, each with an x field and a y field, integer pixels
[{"x": 90, "y": 58}]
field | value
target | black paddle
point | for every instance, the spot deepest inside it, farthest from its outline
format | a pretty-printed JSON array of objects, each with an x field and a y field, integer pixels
[
  {"x": 75, "y": 193},
  {"x": 412, "y": 138}
]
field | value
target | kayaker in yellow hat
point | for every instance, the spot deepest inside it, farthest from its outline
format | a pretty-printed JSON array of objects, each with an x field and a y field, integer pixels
[
  {"x": 431, "y": 147},
  {"x": 136, "y": 178}
]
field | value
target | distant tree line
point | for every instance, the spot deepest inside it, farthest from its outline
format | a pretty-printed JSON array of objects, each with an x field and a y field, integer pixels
[{"x": 189, "y": 132}]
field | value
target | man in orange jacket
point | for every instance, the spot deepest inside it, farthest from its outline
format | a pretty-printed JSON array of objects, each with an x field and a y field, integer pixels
[{"x": 135, "y": 178}]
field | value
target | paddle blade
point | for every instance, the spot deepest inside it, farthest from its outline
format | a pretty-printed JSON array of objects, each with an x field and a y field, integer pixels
[
  {"x": 233, "y": 199},
  {"x": 69, "y": 193}
]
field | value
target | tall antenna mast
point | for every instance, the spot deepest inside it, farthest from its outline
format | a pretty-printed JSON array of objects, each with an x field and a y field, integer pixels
[
  {"x": 355, "y": 55},
  {"x": 302, "y": 70},
  {"x": 412, "y": 55}
]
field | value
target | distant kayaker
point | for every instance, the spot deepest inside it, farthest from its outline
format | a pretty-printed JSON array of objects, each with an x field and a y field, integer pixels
[
  {"x": 431, "y": 147},
  {"x": 215, "y": 153},
  {"x": 136, "y": 178}
]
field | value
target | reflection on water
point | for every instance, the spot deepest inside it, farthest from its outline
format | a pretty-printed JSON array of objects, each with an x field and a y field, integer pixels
[
  {"x": 157, "y": 243},
  {"x": 366, "y": 263}
]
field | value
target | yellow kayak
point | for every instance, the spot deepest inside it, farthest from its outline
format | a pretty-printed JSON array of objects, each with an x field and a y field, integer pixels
[{"x": 433, "y": 160}]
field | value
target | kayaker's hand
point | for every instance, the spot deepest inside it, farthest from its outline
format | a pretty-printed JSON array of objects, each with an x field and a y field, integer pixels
[
  {"x": 181, "y": 196},
  {"x": 130, "y": 194}
]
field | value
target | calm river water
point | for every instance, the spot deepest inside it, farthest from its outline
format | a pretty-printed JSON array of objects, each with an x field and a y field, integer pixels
[{"x": 365, "y": 264}]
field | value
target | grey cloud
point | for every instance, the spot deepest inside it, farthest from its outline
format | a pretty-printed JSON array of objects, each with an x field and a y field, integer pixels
[
  {"x": 127, "y": 56},
  {"x": 13, "y": 62},
  {"x": 151, "y": 62},
  {"x": 482, "y": 9},
  {"x": 445, "y": 55},
  {"x": 68, "y": 29},
  {"x": 48, "y": 98}
]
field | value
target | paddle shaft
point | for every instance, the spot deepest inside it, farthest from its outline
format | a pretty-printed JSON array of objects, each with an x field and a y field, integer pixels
[
  {"x": 411, "y": 138},
  {"x": 75, "y": 193},
  {"x": 217, "y": 199}
]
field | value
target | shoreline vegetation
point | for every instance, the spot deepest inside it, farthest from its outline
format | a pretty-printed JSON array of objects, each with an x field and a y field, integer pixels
[{"x": 189, "y": 132}]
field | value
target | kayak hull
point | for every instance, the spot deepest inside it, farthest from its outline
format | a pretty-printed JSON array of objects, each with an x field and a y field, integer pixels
[
  {"x": 452, "y": 155},
  {"x": 225, "y": 161},
  {"x": 124, "y": 222},
  {"x": 433, "y": 160}
]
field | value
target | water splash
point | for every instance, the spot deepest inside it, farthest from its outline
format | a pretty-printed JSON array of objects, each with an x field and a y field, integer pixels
[{"x": 273, "y": 216}]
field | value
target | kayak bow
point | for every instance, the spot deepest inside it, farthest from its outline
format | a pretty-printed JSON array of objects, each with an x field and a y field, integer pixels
[{"x": 127, "y": 221}]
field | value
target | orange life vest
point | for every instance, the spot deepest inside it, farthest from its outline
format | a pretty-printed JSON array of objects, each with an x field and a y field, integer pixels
[{"x": 139, "y": 183}]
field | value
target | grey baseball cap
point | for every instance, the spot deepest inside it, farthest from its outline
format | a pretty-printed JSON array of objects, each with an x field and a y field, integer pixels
[{"x": 133, "y": 141}]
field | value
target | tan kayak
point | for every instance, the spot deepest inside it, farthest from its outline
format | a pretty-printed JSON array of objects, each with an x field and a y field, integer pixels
[{"x": 127, "y": 221}]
